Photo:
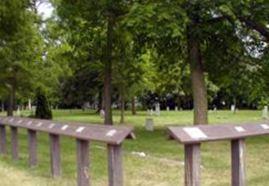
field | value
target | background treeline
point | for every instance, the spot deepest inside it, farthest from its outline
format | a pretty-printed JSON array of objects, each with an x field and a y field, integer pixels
[{"x": 190, "y": 54}]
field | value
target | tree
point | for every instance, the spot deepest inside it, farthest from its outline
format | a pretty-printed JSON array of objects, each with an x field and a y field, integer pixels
[
  {"x": 100, "y": 20},
  {"x": 19, "y": 47},
  {"x": 200, "y": 25},
  {"x": 43, "y": 110}
]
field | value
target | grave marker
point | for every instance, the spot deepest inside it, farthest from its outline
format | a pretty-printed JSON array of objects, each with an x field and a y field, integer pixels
[
  {"x": 149, "y": 124},
  {"x": 265, "y": 112},
  {"x": 157, "y": 109}
]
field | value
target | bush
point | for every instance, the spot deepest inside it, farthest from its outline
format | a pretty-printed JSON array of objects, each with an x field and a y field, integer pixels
[{"x": 43, "y": 110}]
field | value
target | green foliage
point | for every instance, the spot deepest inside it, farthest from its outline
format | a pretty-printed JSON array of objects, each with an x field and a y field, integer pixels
[
  {"x": 20, "y": 46},
  {"x": 67, "y": 56},
  {"x": 43, "y": 110}
]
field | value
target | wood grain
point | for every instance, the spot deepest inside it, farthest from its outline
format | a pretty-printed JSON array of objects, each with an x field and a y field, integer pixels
[
  {"x": 55, "y": 155},
  {"x": 192, "y": 165},
  {"x": 32, "y": 145},
  {"x": 83, "y": 178},
  {"x": 3, "y": 140},
  {"x": 115, "y": 165},
  {"x": 14, "y": 143},
  {"x": 238, "y": 162}
]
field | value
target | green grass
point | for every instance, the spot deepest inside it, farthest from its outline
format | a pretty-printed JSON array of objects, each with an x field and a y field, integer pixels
[{"x": 163, "y": 164}]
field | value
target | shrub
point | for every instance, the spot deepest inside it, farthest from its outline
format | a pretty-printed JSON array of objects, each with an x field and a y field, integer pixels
[{"x": 43, "y": 110}]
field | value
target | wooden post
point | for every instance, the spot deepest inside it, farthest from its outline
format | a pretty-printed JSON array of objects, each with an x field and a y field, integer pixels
[
  {"x": 238, "y": 162},
  {"x": 192, "y": 165},
  {"x": 115, "y": 165},
  {"x": 14, "y": 143},
  {"x": 32, "y": 142},
  {"x": 3, "y": 141},
  {"x": 55, "y": 158},
  {"x": 83, "y": 163}
]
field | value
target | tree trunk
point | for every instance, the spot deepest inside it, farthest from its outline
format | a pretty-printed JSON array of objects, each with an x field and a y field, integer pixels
[
  {"x": 122, "y": 109},
  {"x": 29, "y": 104},
  {"x": 2, "y": 107},
  {"x": 108, "y": 72},
  {"x": 100, "y": 101},
  {"x": 198, "y": 81},
  {"x": 11, "y": 100},
  {"x": 133, "y": 106},
  {"x": 178, "y": 102}
]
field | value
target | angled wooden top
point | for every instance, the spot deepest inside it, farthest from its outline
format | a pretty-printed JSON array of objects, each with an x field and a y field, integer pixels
[
  {"x": 202, "y": 133},
  {"x": 104, "y": 133}
]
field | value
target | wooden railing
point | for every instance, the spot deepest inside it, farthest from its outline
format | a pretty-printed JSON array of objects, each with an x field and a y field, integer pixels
[
  {"x": 192, "y": 137},
  {"x": 111, "y": 135}
]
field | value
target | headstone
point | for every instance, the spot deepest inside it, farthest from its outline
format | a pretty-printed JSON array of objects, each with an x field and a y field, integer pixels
[
  {"x": 167, "y": 108},
  {"x": 233, "y": 108},
  {"x": 149, "y": 124},
  {"x": 18, "y": 111},
  {"x": 102, "y": 113},
  {"x": 157, "y": 109},
  {"x": 265, "y": 112},
  {"x": 176, "y": 108},
  {"x": 86, "y": 105},
  {"x": 151, "y": 112}
]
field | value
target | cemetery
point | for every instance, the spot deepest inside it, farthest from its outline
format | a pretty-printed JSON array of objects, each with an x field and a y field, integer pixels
[{"x": 134, "y": 93}]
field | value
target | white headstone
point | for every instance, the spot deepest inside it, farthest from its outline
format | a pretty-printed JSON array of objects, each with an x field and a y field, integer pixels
[
  {"x": 167, "y": 108},
  {"x": 176, "y": 108},
  {"x": 102, "y": 113},
  {"x": 157, "y": 109},
  {"x": 265, "y": 112},
  {"x": 18, "y": 111},
  {"x": 149, "y": 124},
  {"x": 151, "y": 112},
  {"x": 233, "y": 108}
]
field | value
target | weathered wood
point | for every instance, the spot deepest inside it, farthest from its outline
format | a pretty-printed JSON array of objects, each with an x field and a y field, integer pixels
[
  {"x": 111, "y": 135},
  {"x": 108, "y": 134},
  {"x": 204, "y": 133},
  {"x": 83, "y": 178},
  {"x": 32, "y": 145},
  {"x": 14, "y": 143},
  {"x": 55, "y": 157},
  {"x": 3, "y": 140},
  {"x": 192, "y": 165},
  {"x": 115, "y": 165},
  {"x": 238, "y": 162}
]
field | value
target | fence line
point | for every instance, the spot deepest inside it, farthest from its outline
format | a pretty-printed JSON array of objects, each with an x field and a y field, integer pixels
[
  {"x": 113, "y": 136},
  {"x": 193, "y": 137}
]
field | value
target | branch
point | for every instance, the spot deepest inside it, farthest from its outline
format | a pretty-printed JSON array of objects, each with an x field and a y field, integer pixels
[{"x": 256, "y": 26}]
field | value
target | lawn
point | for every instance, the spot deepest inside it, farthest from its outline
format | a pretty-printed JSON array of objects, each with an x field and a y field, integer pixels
[{"x": 162, "y": 165}]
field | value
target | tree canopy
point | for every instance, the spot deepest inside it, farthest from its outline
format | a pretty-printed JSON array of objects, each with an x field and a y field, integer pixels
[{"x": 197, "y": 53}]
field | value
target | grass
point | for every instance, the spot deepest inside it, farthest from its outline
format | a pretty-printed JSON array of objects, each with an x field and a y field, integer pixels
[{"x": 162, "y": 165}]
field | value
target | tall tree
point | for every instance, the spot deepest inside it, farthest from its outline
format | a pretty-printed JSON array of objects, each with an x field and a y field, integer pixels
[
  {"x": 20, "y": 47},
  {"x": 200, "y": 25}
]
